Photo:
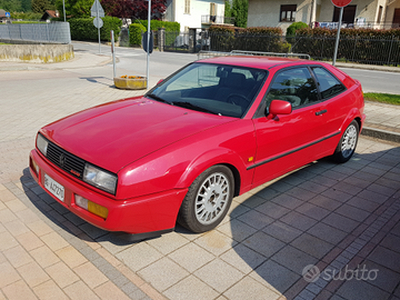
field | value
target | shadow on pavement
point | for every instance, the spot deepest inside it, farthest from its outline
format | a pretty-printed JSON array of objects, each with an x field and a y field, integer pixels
[{"x": 307, "y": 218}]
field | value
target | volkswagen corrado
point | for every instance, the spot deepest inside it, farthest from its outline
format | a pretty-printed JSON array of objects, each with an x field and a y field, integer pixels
[{"x": 213, "y": 130}]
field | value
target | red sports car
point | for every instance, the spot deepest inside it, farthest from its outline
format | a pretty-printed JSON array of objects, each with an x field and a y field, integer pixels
[{"x": 213, "y": 130}]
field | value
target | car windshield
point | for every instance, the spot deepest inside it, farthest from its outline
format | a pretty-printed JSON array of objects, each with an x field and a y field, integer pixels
[{"x": 218, "y": 89}]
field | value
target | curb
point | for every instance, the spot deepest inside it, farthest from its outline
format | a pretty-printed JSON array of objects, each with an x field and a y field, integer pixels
[{"x": 381, "y": 134}]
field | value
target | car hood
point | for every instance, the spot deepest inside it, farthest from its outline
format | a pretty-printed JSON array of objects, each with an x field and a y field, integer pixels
[{"x": 118, "y": 133}]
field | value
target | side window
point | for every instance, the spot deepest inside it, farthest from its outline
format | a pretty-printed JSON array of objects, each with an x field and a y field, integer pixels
[
  {"x": 329, "y": 86},
  {"x": 293, "y": 85}
]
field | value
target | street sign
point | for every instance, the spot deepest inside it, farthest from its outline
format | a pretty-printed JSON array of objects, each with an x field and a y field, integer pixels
[
  {"x": 7, "y": 14},
  {"x": 150, "y": 43},
  {"x": 341, "y": 3},
  {"x": 97, "y": 10},
  {"x": 97, "y": 22}
]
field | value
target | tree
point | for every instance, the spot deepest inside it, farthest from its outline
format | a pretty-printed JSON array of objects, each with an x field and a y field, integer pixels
[
  {"x": 10, "y": 5},
  {"x": 239, "y": 12},
  {"x": 134, "y": 9},
  {"x": 40, "y": 6}
]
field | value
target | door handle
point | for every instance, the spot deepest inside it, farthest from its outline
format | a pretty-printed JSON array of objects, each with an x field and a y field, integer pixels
[{"x": 318, "y": 113}]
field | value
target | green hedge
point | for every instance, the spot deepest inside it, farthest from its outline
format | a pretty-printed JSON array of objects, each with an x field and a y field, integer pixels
[
  {"x": 139, "y": 26},
  {"x": 265, "y": 39},
  {"x": 356, "y": 45},
  {"x": 84, "y": 30},
  {"x": 135, "y": 34},
  {"x": 156, "y": 24}
]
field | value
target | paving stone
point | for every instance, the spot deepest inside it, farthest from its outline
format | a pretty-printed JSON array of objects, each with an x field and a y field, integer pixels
[
  {"x": 282, "y": 231},
  {"x": 219, "y": 275},
  {"x": 255, "y": 219},
  {"x": 191, "y": 288},
  {"x": 264, "y": 244},
  {"x": 361, "y": 290},
  {"x": 312, "y": 245},
  {"x": 339, "y": 222},
  {"x": 191, "y": 257},
  {"x": 294, "y": 259},
  {"x": 275, "y": 275},
  {"x": 313, "y": 211},
  {"x": 243, "y": 258},
  {"x": 163, "y": 274},
  {"x": 139, "y": 256},
  {"x": 386, "y": 257},
  {"x": 272, "y": 210},
  {"x": 298, "y": 221},
  {"x": 248, "y": 288}
]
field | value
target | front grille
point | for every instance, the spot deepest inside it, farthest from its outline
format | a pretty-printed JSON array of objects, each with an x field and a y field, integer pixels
[{"x": 65, "y": 160}]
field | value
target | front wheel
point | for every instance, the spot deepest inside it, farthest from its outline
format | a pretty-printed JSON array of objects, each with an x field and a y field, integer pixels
[
  {"x": 347, "y": 144},
  {"x": 208, "y": 199}
]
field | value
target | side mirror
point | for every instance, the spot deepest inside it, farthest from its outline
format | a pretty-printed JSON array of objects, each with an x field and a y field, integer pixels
[{"x": 279, "y": 107}]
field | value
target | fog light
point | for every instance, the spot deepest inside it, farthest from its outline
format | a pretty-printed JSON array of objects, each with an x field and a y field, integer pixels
[
  {"x": 34, "y": 167},
  {"x": 81, "y": 202},
  {"x": 92, "y": 207}
]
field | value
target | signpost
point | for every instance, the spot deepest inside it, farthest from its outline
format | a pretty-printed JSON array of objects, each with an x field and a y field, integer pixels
[
  {"x": 97, "y": 11},
  {"x": 7, "y": 14},
  {"x": 148, "y": 44},
  {"x": 339, "y": 4}
]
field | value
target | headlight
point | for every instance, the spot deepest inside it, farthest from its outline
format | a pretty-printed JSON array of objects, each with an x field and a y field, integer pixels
[
  {"x": 99, "y": 178},
  {"x": 41, "y": 144}
]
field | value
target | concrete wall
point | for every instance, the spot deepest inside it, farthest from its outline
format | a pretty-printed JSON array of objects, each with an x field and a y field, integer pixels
[{"x": 36, "y": 53}]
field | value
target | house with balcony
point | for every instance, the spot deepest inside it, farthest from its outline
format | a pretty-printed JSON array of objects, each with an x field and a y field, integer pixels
[
  {"x": 195, "y": 13},
  {"x": 379, "y": 14}
]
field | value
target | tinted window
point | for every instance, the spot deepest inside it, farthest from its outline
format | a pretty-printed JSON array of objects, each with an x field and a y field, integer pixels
[
  {"x": 294, "y": 85},
  {"x": 329, "y": 86}
]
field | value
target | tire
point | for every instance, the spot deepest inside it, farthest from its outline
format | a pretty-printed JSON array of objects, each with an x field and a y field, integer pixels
[
  {"x": 348, "y": 143},
  {"x": 208, "y": 199}
]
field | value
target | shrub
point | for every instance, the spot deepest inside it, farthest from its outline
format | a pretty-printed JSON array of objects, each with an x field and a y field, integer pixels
[
  {"x": 291, "y": 30},
  {"x": 135, "y": 34},
  {"x": 265, "y": 39},
  {"x": 84, "y": 30},
  {"x": 156, "y": 24}
]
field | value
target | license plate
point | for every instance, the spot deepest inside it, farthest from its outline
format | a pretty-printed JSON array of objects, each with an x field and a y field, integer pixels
[{"x": 54, "y": 187}]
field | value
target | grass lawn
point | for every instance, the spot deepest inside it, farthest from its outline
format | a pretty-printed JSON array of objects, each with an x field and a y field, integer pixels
[{"x": 384, "y": 98}]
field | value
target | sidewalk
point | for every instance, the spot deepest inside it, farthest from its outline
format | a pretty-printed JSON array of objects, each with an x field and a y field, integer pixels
[{"x": 325, "y": 215}]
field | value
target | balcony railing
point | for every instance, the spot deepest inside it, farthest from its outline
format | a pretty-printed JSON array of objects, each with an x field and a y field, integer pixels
[{"x": 208, "y": 19}]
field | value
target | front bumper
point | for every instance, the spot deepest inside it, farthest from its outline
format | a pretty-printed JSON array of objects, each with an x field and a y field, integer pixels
[{"x": 155, "y": 212}]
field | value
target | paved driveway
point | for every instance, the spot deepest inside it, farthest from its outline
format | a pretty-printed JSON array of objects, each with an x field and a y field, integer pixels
[{"x": 324, "y": 232}]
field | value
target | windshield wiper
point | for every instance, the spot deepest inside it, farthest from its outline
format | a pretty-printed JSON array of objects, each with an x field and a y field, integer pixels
[
  {"x": 192, "y": 106},
  {"x": 155, "y": 97}
]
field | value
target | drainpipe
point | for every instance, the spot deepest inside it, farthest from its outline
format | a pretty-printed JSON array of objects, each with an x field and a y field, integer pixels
[{"x": 313, "y": 12}]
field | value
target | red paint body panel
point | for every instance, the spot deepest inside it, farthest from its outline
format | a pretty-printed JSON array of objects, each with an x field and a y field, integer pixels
[{"x": 158, "y": 150}]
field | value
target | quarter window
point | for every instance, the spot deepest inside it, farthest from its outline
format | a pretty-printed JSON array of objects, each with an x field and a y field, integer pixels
[
  {"x": 294, "y": 85},
  {"x": 328, "y": 85},
  {"x": 288, "y": 13}
]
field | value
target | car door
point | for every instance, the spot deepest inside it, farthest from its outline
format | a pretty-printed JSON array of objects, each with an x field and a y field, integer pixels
[{"x": 289, "y": 141}]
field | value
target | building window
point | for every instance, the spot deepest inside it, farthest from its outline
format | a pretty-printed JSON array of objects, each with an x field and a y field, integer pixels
[
  {"x": 187, "y": 6},
  {"x": 380, "y": 14},
  {"x": 288, "y": 13},
  {"x": 349, "y": 13}
]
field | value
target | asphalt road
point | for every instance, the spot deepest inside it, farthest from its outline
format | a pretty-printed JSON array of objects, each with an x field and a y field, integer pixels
[{"x": 133, "y": 61}]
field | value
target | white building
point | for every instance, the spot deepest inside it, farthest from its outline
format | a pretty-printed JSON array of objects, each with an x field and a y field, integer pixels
[
  {"x": 361, "y": 13},
  {"x": 195, "y": 13}
]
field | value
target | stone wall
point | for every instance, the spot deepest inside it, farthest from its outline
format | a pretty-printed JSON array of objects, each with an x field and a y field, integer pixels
[{"x": 36, "y": 53}]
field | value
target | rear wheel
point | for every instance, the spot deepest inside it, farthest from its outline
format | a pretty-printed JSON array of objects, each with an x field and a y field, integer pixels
[
  {"x": 347, "y": 144},
  {"x": 208, "y": 199}
]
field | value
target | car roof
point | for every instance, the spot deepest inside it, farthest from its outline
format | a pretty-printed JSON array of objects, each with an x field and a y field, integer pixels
[{"x": 258, "y": 62}]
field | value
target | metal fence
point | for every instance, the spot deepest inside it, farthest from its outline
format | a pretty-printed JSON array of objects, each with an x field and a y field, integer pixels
[
  {"x": 56, "y": 32},
  {"x": 376, "y": 51}
]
